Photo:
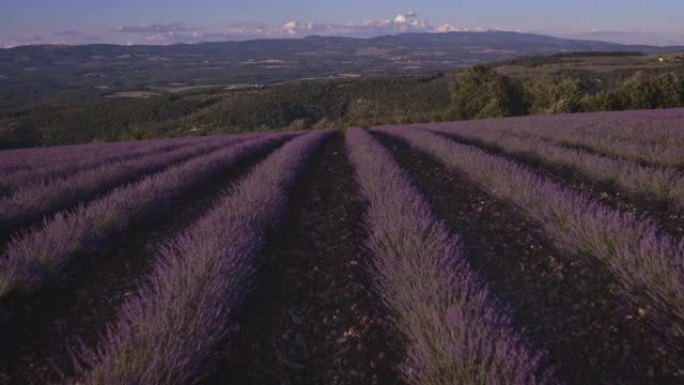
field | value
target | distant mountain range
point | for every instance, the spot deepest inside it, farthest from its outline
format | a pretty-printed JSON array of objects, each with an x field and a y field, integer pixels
[{"x": 45, "y": 73}]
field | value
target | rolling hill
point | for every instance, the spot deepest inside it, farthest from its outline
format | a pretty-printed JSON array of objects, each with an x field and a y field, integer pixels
[{"x": 41, "y": 74}]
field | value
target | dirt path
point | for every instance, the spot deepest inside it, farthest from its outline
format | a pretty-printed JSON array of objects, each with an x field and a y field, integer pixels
[
  {"x": 310, "y": 318},
  {"x": 36, "y": 330},
  {"x": 564, "y": 304}
]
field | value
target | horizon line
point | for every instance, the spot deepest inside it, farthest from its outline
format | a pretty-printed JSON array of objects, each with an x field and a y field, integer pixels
[{"x": 342, "y": 37}]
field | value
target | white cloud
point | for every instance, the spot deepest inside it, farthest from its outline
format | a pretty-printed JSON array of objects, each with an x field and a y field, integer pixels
[
  {"x": 68, "y": 37},
  {"x": 172, "y": 27},
  {"x": 448, "y": 28},
  {"x": 14, "y": 41},
  {"x": 444, "y": 28},
  {"x": 294, "y": 28},
  {"x": 410, "y": 20},
  {"x": 403, "y": 22},
  {"x": 407, "y": 22},
  {"x": 400, "y": 19},
  {"x": 179, "y": 32}
]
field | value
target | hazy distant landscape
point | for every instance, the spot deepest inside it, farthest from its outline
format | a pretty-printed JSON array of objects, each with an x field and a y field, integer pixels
[
  {"x": 41, "y": 74},
  {"x": 64, "y": 94}
]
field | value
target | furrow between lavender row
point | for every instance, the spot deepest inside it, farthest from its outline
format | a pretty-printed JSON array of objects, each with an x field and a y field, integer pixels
[
  {"x": 649, "y": 265},
  {"x": 38, "y": 254},
  {"x": 649, "y": 137},
  {"x": 35, "y": 158},
  {"x": 167, "y": 331},
  {"x": 654, "y": 183},
  {"x": 635, "y": 135},
  {"x": 61, "y": 168},
  {"x": 650, "y": 154},
  {"x": 33, "y": 201},
  {"x": 456, "y": 332}
]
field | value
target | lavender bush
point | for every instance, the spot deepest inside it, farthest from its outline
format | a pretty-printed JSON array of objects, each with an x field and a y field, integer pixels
[
  {"x": 657, "y": 182},
  {"x": 648, "y": 264},
  {"x": 164, "y": 333},
  {"x": 11, "y": 180},
  {"x": 36, "y": 158},
  {"x": 38, "y": 254},
  {"x": 37, "y": 199},
  {"x": 456, "y": 332},
  {"x": 653, "y": 136}
]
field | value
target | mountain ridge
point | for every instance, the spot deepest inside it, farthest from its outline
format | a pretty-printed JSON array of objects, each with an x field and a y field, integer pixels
[
  {"x": 437, "y": 35},
  {"x": 49, "y": 73}
]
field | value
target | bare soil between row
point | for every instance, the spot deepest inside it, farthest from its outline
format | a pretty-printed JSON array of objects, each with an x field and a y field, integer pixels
[
  {"x": 566, "y": 305},
  {"x": 592, "y": 150},
  {"x": 37, "y": 329},
  {"x": 664, "y": 214},
  {"x": 36, "y": 222},
  {"x": 312, "y": 316}
]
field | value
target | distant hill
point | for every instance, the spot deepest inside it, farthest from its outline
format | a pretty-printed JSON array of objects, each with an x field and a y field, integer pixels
[
  {"x": 43, "y": 74},
  {"x": 83, "y": 115}
]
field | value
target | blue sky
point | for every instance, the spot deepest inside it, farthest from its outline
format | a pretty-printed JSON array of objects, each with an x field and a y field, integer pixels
[{"x": 169, "y": 21}]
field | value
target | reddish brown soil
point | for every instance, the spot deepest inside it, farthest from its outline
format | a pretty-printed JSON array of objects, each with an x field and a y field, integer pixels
[
  {"x": 564, "y": 304},
  {"x": 311, "y": 317},
  {"x": 37, "y": 329}
]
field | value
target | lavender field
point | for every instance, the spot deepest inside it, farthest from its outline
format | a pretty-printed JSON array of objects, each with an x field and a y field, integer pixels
[{"x": 534, "y": 250}]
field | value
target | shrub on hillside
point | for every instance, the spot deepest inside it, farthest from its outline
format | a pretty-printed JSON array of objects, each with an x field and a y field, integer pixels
[{"x": 480, "y": 92}]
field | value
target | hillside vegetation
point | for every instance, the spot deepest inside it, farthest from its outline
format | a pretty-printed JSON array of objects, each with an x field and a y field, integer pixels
[
  {"x": 564, "y": 83},
  {"x": 48, "y": 74}
]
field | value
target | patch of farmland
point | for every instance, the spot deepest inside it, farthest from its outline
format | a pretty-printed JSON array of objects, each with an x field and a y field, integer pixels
[{"x": 535, "y": 250}]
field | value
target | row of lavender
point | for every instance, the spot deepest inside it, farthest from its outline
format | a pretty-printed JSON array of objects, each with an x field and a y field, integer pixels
[
  {"x": 640, "y": 126},
  {"x": 59, "y": 167},
  {"x": 41, "y": 252},
  {"x": 455, "y": 331},
  {"x": 36, "y": 198},
  {"x": 655, "y": 182},
  {"x": 39, "y": 158},
  {"x": 648, "y": 263},
  {"x": 42, "y": 166},
  {"x": 653, "y": 137},
  {"x": 166, "y": 332}
]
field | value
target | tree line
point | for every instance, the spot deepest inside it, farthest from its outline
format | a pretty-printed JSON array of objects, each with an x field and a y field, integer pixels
[
  {"x": 481, "y": 92},
  {"x": 473, "y": 93}
]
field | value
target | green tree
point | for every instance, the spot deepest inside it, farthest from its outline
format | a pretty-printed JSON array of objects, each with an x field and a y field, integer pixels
[
  {"x": 553, "y": 95},
  {"x": 641, "y": 90},
  {"x": 650, "y": 91},
  {"x": 670, "y": 90},
  {"x": 609, "y": 100},
  {"x": 480, "y": 92}
]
